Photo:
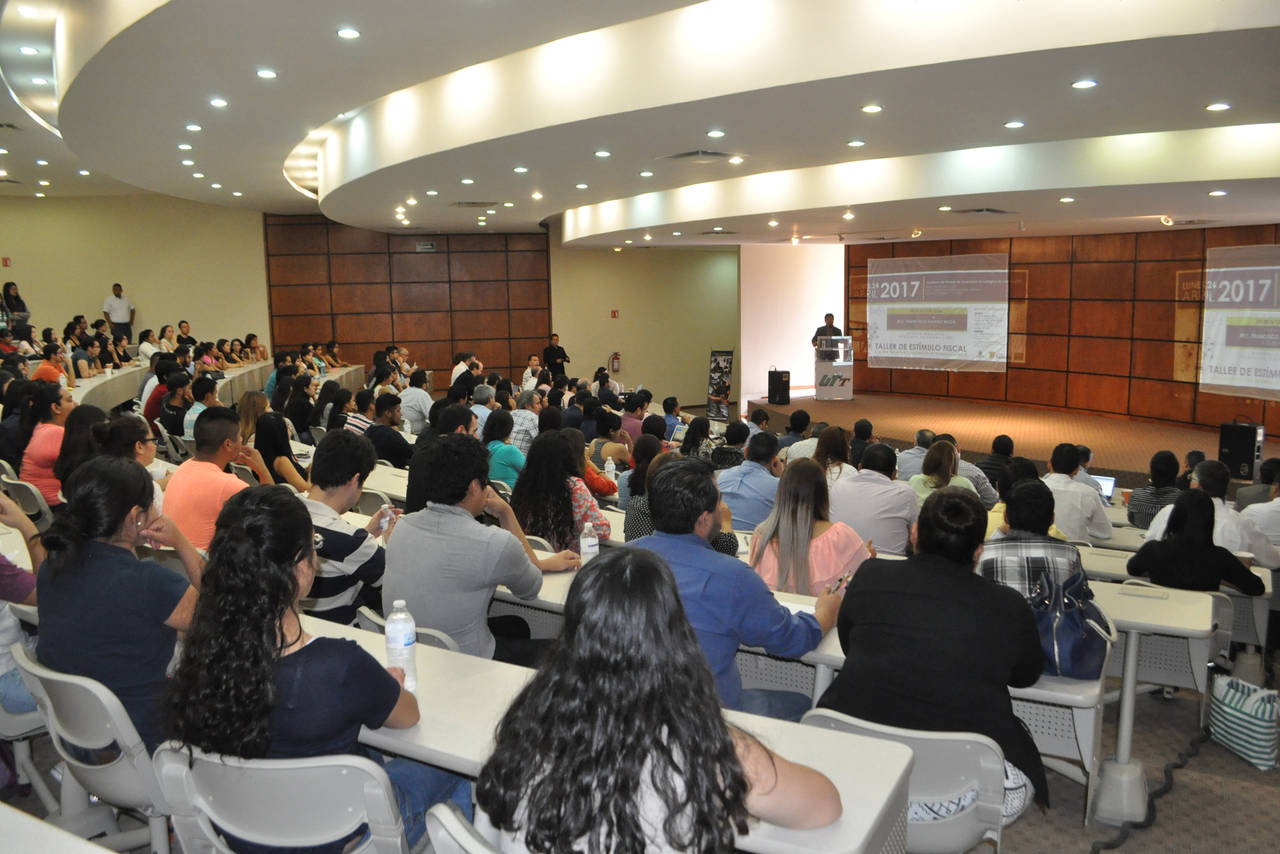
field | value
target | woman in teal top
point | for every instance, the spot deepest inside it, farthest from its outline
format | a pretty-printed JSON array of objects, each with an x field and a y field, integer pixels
[{"x": 505, "y": 459}]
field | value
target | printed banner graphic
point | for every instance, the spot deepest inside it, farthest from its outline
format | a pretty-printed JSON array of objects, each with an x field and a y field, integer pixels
[
  {"x": 1241, "y": 331},
  {"x": 719, "y": 383},
  {"x": 943, "y": 314}
]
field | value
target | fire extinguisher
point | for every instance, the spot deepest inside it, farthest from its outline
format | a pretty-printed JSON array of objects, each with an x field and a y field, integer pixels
[{"x": 615, "y": 363}]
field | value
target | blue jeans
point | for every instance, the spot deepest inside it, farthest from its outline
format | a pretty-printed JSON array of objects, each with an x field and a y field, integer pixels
[
  {"x": 418, "y": 787},
  {"x": 783, "y": 705},
  {"x": 14, "y": 695}
]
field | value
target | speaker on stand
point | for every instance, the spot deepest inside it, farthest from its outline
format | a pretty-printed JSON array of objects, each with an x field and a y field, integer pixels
[
  {"x": 1240, "y": 447},
  {"x": 780, "y": 388}
]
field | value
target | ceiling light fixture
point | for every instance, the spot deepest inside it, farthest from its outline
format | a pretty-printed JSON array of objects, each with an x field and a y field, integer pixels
[
  {"x": 648, "y": 237},
  {"x": 188, "y": 163},
  {"x": 617, "y": 249},
  {"x": 1084, "y": 84},
  {"x": 1015, "y": 124},
  {"x": 491, "y": 211},
  {"x": 4, "y": 151},
  {"x": 267, "y": 74},
  {"x": 520, "y": 170},
  {"x": 1066, "y": 200},
  {"x": 676, "y": 233},
  {"x": 508, "y": 204},
  {"x": 194, "y": 128},
  {"x": 603, "y": 153},
  {"x": 39, "y": 195},
  {"x": 84, "y": 171},
  {"x": 433, "y": 193},
  {"x": 218, "y": 102},
  {"x": 39, "y": 81},
  {"x": 411, "y": 201},
  {"x": 43, "y": 183},
  {"x": 915, "y": 232},
  {"x": 1217, "y": 193},
  {"x": 184, "y": 146},
  {"x": 28, "y": 51},
  {"x": 944, "y": 208},
  {"x": 580, "y": 186},
  {"x": 795, "y": 241},
  {"x": 846, "y": 216},
  {"x": 482, "y": 223},
  {"x": 718, "y": 228},
  {"x": 468, "y": 180},
  {"x": 1165, "y": 219},
  {"x": 197, "y": 174},
  {"x": 216, "y": 186},
  {"x": 872, "y": 108},
  {"x": 535, "y": 195},
  {"x": 348, "y": 33},
  {"x": 1217, "y": 108},
  {"x": 4, "y": 173},
  {"x": 42, "y": 162},
  {"x": 735, "y": 160},
  {"x": 28, "y": 11},
  {"x": 236, "y": 193},
  {"x": 646, "y": 174},
  {"x": 856, "y": 143},
  {"x": 400, "y": 209},
  {"x": 628, "y": 241},
  {"x": 773, "y": 223},
  {"x": 715, "y": 133}
]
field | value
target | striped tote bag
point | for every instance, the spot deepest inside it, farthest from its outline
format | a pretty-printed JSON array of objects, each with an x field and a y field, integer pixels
[{"x": 1242, "y": 718}]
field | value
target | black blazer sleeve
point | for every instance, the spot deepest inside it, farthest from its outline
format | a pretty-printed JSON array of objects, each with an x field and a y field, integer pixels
[
  {"x": 1232, "y": 572},
  {"x": 1029, "y": 661}
]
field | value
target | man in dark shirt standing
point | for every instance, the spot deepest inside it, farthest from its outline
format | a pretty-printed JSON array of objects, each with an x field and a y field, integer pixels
[
  {"x": 554, "y": 357},
  {"x": 827, "y": 330}
]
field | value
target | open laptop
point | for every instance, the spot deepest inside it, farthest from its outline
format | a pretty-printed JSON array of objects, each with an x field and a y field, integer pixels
[
  {"x": 1108, "y": 485},
  {"x": 678, "y": 434}
]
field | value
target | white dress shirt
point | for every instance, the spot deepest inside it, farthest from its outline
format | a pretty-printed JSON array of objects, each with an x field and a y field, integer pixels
[
  {"x": 1231, "y": 530},
  {"x": 804, "y": 448},
  {"x": 457, "y": 372},
  {"x": 1077, "y": 509},
  {"x": 415, "y": 404},
  {"x": 879, "y": 509},
  {"x": 1087, "y": 479},
  {"x": 118, "y": 308},
  {"x": 1266, "y": 518},
  {"x": 909, "y": 463}
]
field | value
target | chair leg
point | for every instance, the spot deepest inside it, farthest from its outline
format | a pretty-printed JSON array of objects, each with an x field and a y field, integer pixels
[
  {"x": 28, "y": 773},
  {"x": 159, "y": 834}
]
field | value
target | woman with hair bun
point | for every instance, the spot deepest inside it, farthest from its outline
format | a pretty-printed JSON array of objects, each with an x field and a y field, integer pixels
[
  {"x": 253, "y": 683},
  {"x": 618, "y": 742},
  {"x": 104, "y": 613}
]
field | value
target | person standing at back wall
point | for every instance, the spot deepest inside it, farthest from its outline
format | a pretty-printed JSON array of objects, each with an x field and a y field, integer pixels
[{"x": 119, "y": 310}]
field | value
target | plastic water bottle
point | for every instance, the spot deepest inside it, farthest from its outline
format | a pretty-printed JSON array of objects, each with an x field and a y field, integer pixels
[
  {"x": 385, "y": 521},
  {"x": 611, "y": 470},
  {"x": 402, "y": 634},
  {"x": 589, "y": 545}
]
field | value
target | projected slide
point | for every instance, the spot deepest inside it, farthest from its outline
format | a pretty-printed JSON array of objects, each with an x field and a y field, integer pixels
[
  {"x": 1241, "y": 332},
  {"x": 940, "y": 314}
]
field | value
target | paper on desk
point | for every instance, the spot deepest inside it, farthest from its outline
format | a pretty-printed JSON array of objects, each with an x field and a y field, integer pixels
[{"x": 799, "y": 607}]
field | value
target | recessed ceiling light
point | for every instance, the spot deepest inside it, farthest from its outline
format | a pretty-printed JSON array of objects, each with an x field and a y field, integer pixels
[
  {"x": 188, "y": 163},
  {"x": 646, "y": 174},
  {"x": 42, "y": 162},
  {"x": 400, "y": 209},
  {"x": 197, "y": 174},
  {"x": 43, "y": 183},
  {"x": 735, "y": 159},
  {"x": 773, "y": 223},
  {"x": 28, "y": 51},
  {"x": 520, "y": 170},
  {"x": 468, "y": 180},
  {"x": 915, "y": 232},
  {"x": 676, "y": 233},
  {"x": 508, "y": 204},
  {"x": 194, "y": 128},
  {"x": 648, "y": 237},
  {"x": 628, "y": 241},
  {"x": 944, "y": 208},
  {"x": 795, "y": 241},
  {"x": 603, "y": 153},
  {"x": 491, "y": 211},
  {"x": 856, "y": 143},
  {"x": 617, "y": 249},
  {"x": 216, "y": 186},
  {"x": 1066, "y": 200},
  {"x": 411, "y": 201},
  {"x": 581, "y": 186},
  {"x": 3, "y": 173},
  {"x": 1015, "y": 124},
  {"x": 84, "y": 171},
  {"x": 718, "y": 228},
  {"x": 184, "y": 146},
  {"x": 267, "y": 74},
  {"x": 1084, "y": 84},
  {"x": 218, "y": 102},
  {"x": 1217, "y": 193},
  {"x": 1165, "y": 219},
  {"x": 39, "y": 81},
  {"x": 872, "y": 108},
  {"x": 1217, "y": 108},
  {"x": 237, "y": 193},
  {"x": 715, "y": 133},
  {"x": 348, "y": 33},
  {"x": 4, "y": 151},
  {"x": 482, "y": 223},
  {"x": 846, "y": 216},
  {"x": 39, "y": 195},
  {"x": 535, "y": 195},
  {"x": 432, "y": 193}
]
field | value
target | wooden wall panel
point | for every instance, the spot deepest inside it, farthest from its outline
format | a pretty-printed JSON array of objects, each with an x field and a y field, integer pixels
[
  {"x": 344, "y": 238},
  {"x": 1163, "y": 400},
  {"x": 1103, "y": 247},
  {"x": 527, "y": 265},
  {"x": 1040, "y": 352},
  {"x": 1044, "y": 387},
  {"x": 1162, "y": 245},
  {"x": 1100, "y": 356},
  {"x": 300, "y": 299},
  {"x": 353, "y": 299},
  {"x": 1215, "y": 409},
  {"x": 858, "y": 254},
  {"x": 1240, "y": 235},
  {"x": 973, "y": 384},
  {"x": 358, "y": 268},
  {"x": 1163, "y": 279},
  {"x": 363, "y": 328},
  {"x": 297, "y": 240},
  {"x": 871, "y": 379},
  {"x": 420, "y": 297},
  {"x": 933, "y": 383},
  {"x": 478, "y": 295},
  {"x": 298, "y": 270},
  {"x": 980, "y": 246},
  {"x": 1101, "y": 319},
  {"x": 530, "y": 294},
  {"x": 526, "y": 242},
  {"x": 286, "y": 331},
  {"x": 477, "y": 266},
  {"x": 1039, "y": 250},
  {"x": 477, "y": 243},
  {"x": 1101, "y": 394},
  {"x": 477, "y": 324},
  {"x": 1102, "y": 281},
  {"x": 420, "y": 267},
  {"x": 525, "y": 323},
  {"x": 423, "y": 326},
  {"x": 1043, "y": 281}
]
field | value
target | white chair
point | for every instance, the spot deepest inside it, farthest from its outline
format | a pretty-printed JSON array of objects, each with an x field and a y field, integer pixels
[
  {"x": 317, "y": 432},
  {"x": 371, "y": 501},
  {"x": 451, "y": 833},
  {"x": 30, "y": 500},
  {"x": 371, "y": 620},
  {"x": 386, "y": 463},
  {"x": 175, "y": 453},
  {"x": 946, "y": 765},
  {"x": 20, "y": 729},
  {"x": 83, "y": 713},
  {"x": 7, "y": 470},
  {"x": 244, "y": 473},
  {"x": 284, "y": 802},
  {"x": 538, "y": 543}
]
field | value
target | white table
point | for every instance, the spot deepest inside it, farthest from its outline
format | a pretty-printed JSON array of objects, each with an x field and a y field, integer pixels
[
  {"x": 391, "y": 481},
  {"x": 1126, "y": 539},
  {"x": 108, "y": 392},
  {"x": 1118, "y": 513},
  {"x": 24, "y": 832},
  {"x": 236, "y": 381},
  {"x": 462, "y": 698}
]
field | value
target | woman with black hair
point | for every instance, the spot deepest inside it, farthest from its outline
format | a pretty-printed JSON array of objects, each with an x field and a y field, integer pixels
[
  {"x": 78, "y": 441},
  {"x": 104, "y": 613},
  {"x": 343, "y": 403},
  {"x": 697, "y": 439},
  {"x": 320, "y": 409},
  {"x": 1186, "y": 556},
  {"x": 584, "y": 468},
  {"x": 40, "y": 437},
  {"x": 635, "y": 756},
  {"x": 14, "y": 304},
  {"x": 505, "y": 459},
  {"x": 253, "y": 683},
  {"x": 271, "y": 439},
  {"x": 639, "y": 521},
  {"x": 631, "y": 482},
  {"x": 16, "y": 398},
  {"x": 299, "y": 406},
  {"x": 550, "y": 419},
  {"x": 130, "y": 436},
  {"x": 611, "y": 442},
  {"x": 550, "y": 499}
]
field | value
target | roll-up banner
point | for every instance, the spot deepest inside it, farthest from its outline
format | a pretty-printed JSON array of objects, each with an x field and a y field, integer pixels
[
  {"x": 1240, "y": 353},
  {"x": 942, "y": 314},
  {"x": 719, "y": 384}
]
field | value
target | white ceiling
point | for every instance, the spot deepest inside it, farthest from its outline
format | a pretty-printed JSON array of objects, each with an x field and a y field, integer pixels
[{"x": 438, "y": 90}]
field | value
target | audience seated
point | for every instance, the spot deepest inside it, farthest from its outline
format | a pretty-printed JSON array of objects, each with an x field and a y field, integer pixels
[
  {"x": 53, "y": 368},
  {"x": 43, "y": 424},
  {"x": 798, "y": 548},
  {"x": 749, "y": 489},
  {"x": 986, "y": 492},
  {"x": 482, "y": 403},
  {"x": 525, "y": 420},
  {"x": 931, "y": 645},
  {"x": 302, "y": 399},
  {"x": 445, "y": 564},
  {"x": 385, "y": 433},
  {"x": 104, "y": 613},
  {"x": 1193, "y": 459},
  {"x": 200, "y": 486},
  {"x": 1186, "y": 556},
  {"x": 130, "y": 437},
  {"x": 1086, "y": 460},
  {"x": 1265, "y": 516},
  {"x": 78, "y": 440},
  {"x": 611, "y": 442},
  {"x": 638, "y": 521},
  {"x": 505, "y": 459},
  {"x": 599, "y": 485},
  {"x": 672, "y": 416},
  {"x": 862, "y": 438},
  {"x": 939, "y": 470},
  {"x": 415, "y": 403},
  {"x": 1027, "y": 554},
  {"x": 733, "y": 451},
  {"x": 697, "y": 439},
  {"x": 361, "y": 418},
  {"x": 1145, "y": 501},
  {"x": 344, "y": 404},
  {"x": 550, "y": 498},
  {"x": 1019, "y": 468},
  {"x": 174, "y": 405},
  {"x": 271, "y": 441},
  {"x": 1078, "y": 510},
  {"x": 1257, "y": 493},
  {"x": 992, "y": 465},
  {"x": 759, "y": 421},
  {"x": 642, "y": 453},
  {"x": 16, "y": 585},
  {"x": 910, "y": 460},
  {"x": 633, "y": 413},
  {"x": 797, "y": 429},
  {"x": 204, "y": 393},
  {"x": 1230, "y": 530},
  {"x": 662, "y": 755},
  {"x": 874, "y": 504},
  {"x": 452, "y": 418},
  {"x": 831, "y": 453},
  {"x": 17, "y": 397},
  {"x": 727, "y": 604},
  {"x": 806, "y": 447}
]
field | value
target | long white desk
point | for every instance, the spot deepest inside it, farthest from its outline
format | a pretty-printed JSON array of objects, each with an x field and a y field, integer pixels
[
  {"x": 24, "y": 832},
  {"x": 1118, "y": 513},
  {"x": 462, "y": 698},
  {"x": 1127, "y": 539},
  {"x": 108, "y": 392},
  {"x": 236, "y": 381}
]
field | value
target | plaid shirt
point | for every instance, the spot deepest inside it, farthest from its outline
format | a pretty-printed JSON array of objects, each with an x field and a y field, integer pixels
[
  {"x": 1020, "y": 559},
  {"x": 1146, "y": 501}
]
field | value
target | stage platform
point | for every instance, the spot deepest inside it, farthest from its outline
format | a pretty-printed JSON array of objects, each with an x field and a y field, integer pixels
[{"x": 1122, "y": 446}]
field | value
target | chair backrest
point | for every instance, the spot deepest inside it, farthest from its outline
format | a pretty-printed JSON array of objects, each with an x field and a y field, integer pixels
[
  {"x": 451, "y": 833},
  {"x": 293, "y": 431},
  {"x": 30, "y": 500},
  {"x": 317, "y": 432},
  {"x": 282, "y": 802},
  {"x": 175, "y": 452},
  {"x": 386, "y": 463},
  {"x": 946, "y": 765},
  {"x": 371, "y": 501},
  {"x": 502, "y": 488},
  {"x": 538, "y": 543},
  {"x": 244, "y": 473},
  {"x": 84, "y": 713},
  {"x": 371, "y": 620},
  {"x": 7, "y": 470}
]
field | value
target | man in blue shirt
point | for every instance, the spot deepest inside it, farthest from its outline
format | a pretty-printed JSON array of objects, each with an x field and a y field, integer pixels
[
  {"x": 749, "y": 489},
  {"x": 797, "y": 429},
  {"x": 727, "y": 604}
]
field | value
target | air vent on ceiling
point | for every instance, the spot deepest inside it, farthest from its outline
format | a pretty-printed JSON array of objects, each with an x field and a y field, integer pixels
[
  {"x": 984, "y": 211},
  {"x": 9, "y": 181},
  {"x": 9, "y": 126},
  {"x": 1194, "y": 221},
  {"x": 717, "y": 233},
  {"x": 473, "y": 204},
  {"x": 699, "y": 156}
]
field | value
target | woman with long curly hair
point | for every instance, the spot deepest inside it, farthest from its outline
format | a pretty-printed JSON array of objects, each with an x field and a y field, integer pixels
[
  {"x": 253, "y": 683},
  {"x": 618, "y": 743},
  {"x": 550, "y": 499},
  {"x": 697, "y": 439}
]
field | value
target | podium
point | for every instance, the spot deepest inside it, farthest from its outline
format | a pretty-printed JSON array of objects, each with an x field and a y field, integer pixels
[{"x": 833, "y": 368}]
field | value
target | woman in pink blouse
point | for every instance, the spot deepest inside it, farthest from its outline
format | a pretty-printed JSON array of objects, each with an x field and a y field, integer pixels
[
  {"x": 43, "y": 422},
  {"x": 550, "y": 499},
  {"x": 797, "y": 548}
]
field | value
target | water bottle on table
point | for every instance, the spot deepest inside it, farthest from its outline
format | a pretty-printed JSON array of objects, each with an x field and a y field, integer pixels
[
  {"x": 402, "y": 634},
  {"x": 589, "y": 544}
]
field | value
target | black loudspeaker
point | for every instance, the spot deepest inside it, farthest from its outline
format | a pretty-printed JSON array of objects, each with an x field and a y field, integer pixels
[
  {"x": 1240, "y": 447},
  {"x": 780, "y": 388}
]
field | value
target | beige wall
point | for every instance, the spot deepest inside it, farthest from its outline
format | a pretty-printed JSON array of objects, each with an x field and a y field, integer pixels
[
  {"x": 176, "y": 259},
  {"x": 674, "y": 307}
]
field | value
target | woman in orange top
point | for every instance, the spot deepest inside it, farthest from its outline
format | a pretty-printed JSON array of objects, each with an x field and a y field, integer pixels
[{"x": 43, "y": 424}]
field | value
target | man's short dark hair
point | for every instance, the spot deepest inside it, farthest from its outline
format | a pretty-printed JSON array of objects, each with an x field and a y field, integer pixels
[
  {"x": 1086, "y": 454},
  {"x": 879, "y": 457},
  {"x": 452, "y": 417},
  {"x": 736, "y": 433},
  {"x": 203, "y": 386},
  {"x": 924, "y": 438},
  {"x": 1269, "y": 470},
  {"x": 862, "y": 429},
  {"x": 669, "y": 405},
  {"x": 1213, "y": 477},
  {"x": 442, "y": 471},
  {"x": 50, "y": 351},
  {"x": 1163, "y": 468},
  {"x": 1002, "y": 445},
  {"x": 762, "y": 448},
  {"x": 1029, "y": 507},
  {"x": 385, "y": 403},
  {"x": 418, "y": 379},
  {"x": 1194, "y": 458},
  {"x": 176, "y": 380},
  {"x": 952, "y": 524},
  {"x": 633, "y": 403},
  {"x": 798, "y": 422},
  {"x": 214, "y": 426},
  {"x": 280, "y": 357},
  {"x": 1065, "y": 458},
  {"x": 364, "y": 397},
  {"x": 680, "y": 492},
  {"x": 946, "y": 437},
  {"x": 182, "y": 350},
  {"x": 340, "y": 456},
  {"x": 759, "y": 416}
]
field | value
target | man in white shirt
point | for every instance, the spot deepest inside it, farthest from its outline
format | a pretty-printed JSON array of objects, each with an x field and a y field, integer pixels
[
  {"x": 530, "y": 379},
  {"x": 1231, "y": 530},
  {"x": 118, "y": 310},
  {"x": 875, "y": 505},
  {"x": 910, "y": 460},
  {"x": 415, "y": 403},
  {"x": 462, "y": 360},
  {"x": 1265, "y": 515},
  {"x": 807, "y": 447},
  {"x": 1078, "y": 510}
]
